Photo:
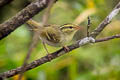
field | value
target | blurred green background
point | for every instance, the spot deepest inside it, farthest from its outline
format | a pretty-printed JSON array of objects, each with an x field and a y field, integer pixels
[{"x": 99, "y": 61}]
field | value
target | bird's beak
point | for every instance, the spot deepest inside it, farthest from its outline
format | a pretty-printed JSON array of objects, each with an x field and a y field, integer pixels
[{"x": 78, "y": 28}]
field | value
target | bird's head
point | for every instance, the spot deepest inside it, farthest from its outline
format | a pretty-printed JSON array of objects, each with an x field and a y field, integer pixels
[{"x": 69, "y": 28}]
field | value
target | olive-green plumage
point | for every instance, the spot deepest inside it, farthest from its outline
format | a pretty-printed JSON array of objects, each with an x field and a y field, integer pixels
[{"x": 55, "y": 35}]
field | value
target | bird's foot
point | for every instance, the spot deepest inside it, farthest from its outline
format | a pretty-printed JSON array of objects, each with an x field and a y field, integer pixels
[
  {"x": 66, "y": 49},
  {"x": 49, "y": 56}
]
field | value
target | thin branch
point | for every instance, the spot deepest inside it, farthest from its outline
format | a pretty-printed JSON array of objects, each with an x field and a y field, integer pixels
[
  {"x": 108, "y": 38},
  {"x": 45, "y": 59},
  {"x": 31, "y": 48},
  {"x": 88, "y": 26},
  {"x": 9, "y": 26},
  {"x": 47, "y": 13},
  {"x": 4, "y": 2},
  {"x": 60, "y": 52},
  {"x": 106, "y": 21},
  {"x": 36, "y": 37}
]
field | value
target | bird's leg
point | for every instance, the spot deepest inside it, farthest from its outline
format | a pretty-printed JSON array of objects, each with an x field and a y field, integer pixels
[
  {"x": 66, "y": 49},
  {"x": 45, "y": 47},
  {"x": 48, "y": 54}
]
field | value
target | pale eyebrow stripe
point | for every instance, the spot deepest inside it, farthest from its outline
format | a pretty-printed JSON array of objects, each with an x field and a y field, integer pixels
[{"x": 65, "y": 27}]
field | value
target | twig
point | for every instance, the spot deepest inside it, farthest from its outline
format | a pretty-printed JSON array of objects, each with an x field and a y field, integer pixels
[
  {"x": 45, "y": 59},
  {"x": 35, "y": 38},
  {"x": 47, "y": 13},
  {"x": 108, "y": 38},
  {"x": 33, "y": 44},
  {"x": 4, "y": 2},
  {"x": 60, "y": 52},
  {"x": 106, "y": 21},
  {"x": 88, "y": 26},
  {"x": 9, "y": 26}
]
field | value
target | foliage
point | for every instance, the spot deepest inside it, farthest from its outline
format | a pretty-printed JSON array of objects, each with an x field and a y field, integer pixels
[{"x": 99, "y": 61}]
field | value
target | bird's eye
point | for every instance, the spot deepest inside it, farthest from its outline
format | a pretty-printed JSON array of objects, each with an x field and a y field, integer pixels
[{"x": 70, "y": 27}]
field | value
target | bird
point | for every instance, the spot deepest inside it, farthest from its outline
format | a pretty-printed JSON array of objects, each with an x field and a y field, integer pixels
[{"x": 56, "y": 35}]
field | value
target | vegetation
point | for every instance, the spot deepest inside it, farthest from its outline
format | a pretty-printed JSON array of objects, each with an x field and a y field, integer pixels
[{"x": 99, "y": 61}]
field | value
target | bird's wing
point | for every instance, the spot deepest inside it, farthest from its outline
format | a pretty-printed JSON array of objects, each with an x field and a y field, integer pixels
[{"x": 52, "y": 35}]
